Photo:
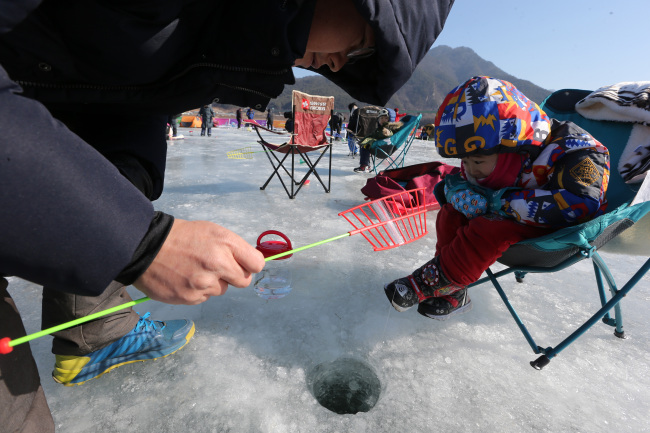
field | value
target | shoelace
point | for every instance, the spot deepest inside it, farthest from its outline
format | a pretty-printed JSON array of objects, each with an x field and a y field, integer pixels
[{"x": 144, "y": 324}]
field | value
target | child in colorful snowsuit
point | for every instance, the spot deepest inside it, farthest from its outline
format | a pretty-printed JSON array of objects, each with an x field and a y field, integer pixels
[{"x": 523, "y": 175}]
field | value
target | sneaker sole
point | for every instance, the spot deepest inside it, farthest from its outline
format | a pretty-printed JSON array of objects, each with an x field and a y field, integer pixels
[
  {"x": 395, "y": 306},
  {"x": 462, "y": 310},
  {"x": 188, "y": 337},
  {"x": 398, "y": 308}
]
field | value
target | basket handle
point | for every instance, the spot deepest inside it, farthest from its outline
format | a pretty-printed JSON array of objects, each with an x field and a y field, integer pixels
[{"x": 274, "y": 232}]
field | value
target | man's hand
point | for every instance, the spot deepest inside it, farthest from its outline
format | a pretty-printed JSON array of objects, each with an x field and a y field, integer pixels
[{"x": 199, "y": 259}]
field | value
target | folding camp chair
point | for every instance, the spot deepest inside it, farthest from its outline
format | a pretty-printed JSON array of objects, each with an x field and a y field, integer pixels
[
  {"x": 311, "y": 116},
  {"x": 564, "y": 248},
  {"x": 367, "y": 122},
  {"x": 395, "y": 147}
]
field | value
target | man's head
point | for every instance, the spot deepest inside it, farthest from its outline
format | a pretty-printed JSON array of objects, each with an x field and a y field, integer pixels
[
  {"x": 333, "y": 37},
  {"x": 352, "y": 106},
  {"x": 387, "y": 38}
]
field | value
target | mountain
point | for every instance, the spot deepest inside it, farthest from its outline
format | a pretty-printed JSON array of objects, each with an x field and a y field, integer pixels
[{"x": 442, "y": 69}]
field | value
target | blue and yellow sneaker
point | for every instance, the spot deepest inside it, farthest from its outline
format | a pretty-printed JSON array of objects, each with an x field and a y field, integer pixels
[{"x": 148, "y": 340}]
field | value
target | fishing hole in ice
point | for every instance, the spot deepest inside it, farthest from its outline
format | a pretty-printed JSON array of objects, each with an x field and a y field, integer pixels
[{"x": 345, "y": 386}]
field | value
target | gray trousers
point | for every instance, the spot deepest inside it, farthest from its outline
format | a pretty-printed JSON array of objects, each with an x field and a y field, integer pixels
[
  {"x": 60, "y": 307},
  {"x": 23, "y": 407}
]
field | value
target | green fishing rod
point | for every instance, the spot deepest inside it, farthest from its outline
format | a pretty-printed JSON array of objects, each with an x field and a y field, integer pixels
[
  {"x": 385, "y": 228},
  {"x": 7, "y": 344}
]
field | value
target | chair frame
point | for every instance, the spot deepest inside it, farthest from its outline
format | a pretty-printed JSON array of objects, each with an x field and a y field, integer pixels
[
  {"x": 291, "y": 190},
  {"x": 378, "y": 153},
  {"x": 600, "y": 269},
  {"x": 292, "y": 148}
]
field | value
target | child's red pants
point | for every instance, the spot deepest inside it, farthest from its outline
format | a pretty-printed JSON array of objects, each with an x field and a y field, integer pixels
[{"x": 468, "y": 247}]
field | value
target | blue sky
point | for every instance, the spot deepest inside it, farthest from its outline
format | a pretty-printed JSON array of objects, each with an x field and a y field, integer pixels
[{"x": 556, "y": 43}]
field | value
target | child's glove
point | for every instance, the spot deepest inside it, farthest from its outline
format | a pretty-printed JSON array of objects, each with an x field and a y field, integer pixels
[{"x": 469, "y": 203}]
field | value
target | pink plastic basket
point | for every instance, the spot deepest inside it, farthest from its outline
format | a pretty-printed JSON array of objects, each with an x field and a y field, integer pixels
[{"x": 390, "y": 221}]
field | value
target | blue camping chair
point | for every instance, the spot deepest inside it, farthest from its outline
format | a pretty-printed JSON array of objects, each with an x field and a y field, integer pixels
[
  {"x": 565, "y": 247},
  {"x": 395, "y": 147}
]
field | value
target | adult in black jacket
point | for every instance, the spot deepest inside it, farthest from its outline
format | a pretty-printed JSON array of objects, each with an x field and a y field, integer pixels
[
  {"x": 288, "y": 125},
  {"x": 172, "y": 121},
  {"x": 84, "y": 226},
  {"x": 336, "y": 121},
  {"x": 207, "y": 114},
  {"x": 352, "y": 128},
  {"x": 238, "y": 117},
  {"x": 269, "y": 119}
]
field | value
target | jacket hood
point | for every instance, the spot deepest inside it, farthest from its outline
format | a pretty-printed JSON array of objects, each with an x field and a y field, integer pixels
[
  {"x": 485, "y": 115},
  {"x": 13, "y": 12},
  {"x": 404, "y": 32}
]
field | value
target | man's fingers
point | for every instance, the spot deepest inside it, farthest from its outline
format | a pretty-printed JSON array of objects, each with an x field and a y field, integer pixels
[
  {"x": 249, "y": 259},
  {"x": 200, "y": 259}
]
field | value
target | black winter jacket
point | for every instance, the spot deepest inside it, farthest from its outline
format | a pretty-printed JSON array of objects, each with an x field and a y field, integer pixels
[
  {"x": 206, "y": 113},
  {"x": 70, "y": 219}
]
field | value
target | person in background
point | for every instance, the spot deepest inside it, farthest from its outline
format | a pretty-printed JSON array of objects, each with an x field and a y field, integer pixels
[
  {"x": 398, "y": 115},
  {"x": 239, "y": 117},
  {"x": 85, "y": 227},
  {"x": 385, "y": 129},
  {"x": 250, "y": 114},
  {"x": 269, "y": 119},
  {"x": 392, "y": 115},
  {"x": 207, "y": 114},
  {"x": 336, "y": 121},
  {"x": 352, "y": 127},
  {"x": 172, "y": 124},
  {"x": 523, "y": 175},
  {"x": 288, "y": 125}
]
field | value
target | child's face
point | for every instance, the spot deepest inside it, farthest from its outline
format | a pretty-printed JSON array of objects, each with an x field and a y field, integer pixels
[
  {"x": 383, "y": 120},
  {"x": 480, "y": 166}
]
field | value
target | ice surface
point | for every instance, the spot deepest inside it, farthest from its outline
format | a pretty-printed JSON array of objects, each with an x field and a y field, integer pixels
[{"x": 248, "y": 366}]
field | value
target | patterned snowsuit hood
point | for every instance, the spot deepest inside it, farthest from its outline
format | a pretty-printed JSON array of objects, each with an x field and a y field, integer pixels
[{"x": 485, "y": 115}]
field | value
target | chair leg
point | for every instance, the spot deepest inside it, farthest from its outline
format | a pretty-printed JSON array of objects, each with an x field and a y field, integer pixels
[
  {"x": 329, "y": 177},
  {"x": 291, "y": 190},
  {"x": 276, "y": 173},
  {"x": 512, "y": 311},
  {"x": 601, "y": 269},
  {"x": 312, "y": 169},
  {"x": 615, "y": 300},
  {"x": 520, "y": 275}
]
